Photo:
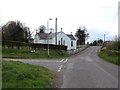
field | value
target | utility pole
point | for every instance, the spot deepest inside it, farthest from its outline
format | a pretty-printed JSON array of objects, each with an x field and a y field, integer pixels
[
  {"x": 104, "y": 38},
  {"x": 48, "y": 37},
  {"x": 56, "y": 31},
  {"x": 116, "y": 38}
]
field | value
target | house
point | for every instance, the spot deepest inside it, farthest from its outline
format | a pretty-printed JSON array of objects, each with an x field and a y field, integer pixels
[{"x": 62, "y": 39}]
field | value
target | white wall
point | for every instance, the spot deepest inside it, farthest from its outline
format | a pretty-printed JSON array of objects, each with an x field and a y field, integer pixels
[
  {"x": 67, "y": 41},
  {"x": 37, "y": 40},
  {"x": 74, "y": 44},
  {"x": 59, "y": 36},
  {"x": 52, "y": 41}
]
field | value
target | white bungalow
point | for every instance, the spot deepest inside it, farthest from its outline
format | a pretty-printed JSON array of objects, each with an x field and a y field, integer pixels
[{"x": 62, "y": 39}]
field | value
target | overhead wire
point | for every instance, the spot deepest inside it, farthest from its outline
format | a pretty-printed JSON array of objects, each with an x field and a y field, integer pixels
[{"x": 113, "y": 22}]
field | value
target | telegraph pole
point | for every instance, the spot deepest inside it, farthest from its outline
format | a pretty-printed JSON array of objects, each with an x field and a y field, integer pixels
[
  {"x": 56, "y": 31},
  {"x": 116, "y": 38},
  {"x": 104, "y": 38}
]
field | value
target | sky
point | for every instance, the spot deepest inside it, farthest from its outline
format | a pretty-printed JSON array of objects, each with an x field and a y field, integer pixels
[{"x": 98, "y": 16}]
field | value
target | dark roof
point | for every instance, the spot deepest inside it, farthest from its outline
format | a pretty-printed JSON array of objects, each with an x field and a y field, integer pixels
[
  {"x": 46, "y": 35},
  {"x": 71, "y": 36},
  {"x": 42, "y": 35},
  {"x": 51, "y": 35}
]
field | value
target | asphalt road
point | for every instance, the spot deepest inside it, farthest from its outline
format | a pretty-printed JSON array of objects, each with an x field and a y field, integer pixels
[
  {"x": 84, "y": 70},
  {"x": 87, "y": 70},
  {"x": 53, "y": 65}
]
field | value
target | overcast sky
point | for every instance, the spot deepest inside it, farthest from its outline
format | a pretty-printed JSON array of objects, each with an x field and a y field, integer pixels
[{"x": 97, "y": 15}]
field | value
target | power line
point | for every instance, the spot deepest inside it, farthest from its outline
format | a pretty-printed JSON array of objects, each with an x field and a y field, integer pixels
[
  {"x": 111, "y": 25},
  {"x": 114, "y": 19}
]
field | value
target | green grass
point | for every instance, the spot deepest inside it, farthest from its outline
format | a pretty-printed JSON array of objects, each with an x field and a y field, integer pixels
[
  {"x": 108, "y": 56},
  {"x": 19, "y": 75},
  {"x": 26, "y": 53},
  {"x": 0, "y": 55},
  {"x": 80, "y": 46}
]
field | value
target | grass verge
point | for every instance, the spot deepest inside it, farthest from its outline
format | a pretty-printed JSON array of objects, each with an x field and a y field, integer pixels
[
  {"x": 25, "y": 53},
  {"x": 19, "y": 75},
  {"x": 110, "y": 57}
]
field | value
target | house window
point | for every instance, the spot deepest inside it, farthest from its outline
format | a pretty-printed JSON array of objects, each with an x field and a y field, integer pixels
[
  {"x": 59, "y": 42},
  {"x": 64, "y": 42},
  {"x": 71, "y": 43}
]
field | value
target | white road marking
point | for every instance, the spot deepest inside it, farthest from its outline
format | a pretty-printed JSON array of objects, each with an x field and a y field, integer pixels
[
  {"x": 60, "y": 68},
  {"x": 62, "y": 60},
  {"x": 65, "y": 60}
]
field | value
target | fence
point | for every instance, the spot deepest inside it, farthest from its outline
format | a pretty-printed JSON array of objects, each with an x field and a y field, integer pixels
[{"x": 16, "y": 44}]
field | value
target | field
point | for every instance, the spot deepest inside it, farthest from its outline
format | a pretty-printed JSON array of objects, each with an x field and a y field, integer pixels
[{"x": 19, "y": 75}]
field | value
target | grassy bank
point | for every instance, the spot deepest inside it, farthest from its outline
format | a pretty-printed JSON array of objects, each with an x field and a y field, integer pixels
[
  {"x": 109, "y": 56},
  {"x": 20, "y": 75},
  {"x": 26, "y": 53}
]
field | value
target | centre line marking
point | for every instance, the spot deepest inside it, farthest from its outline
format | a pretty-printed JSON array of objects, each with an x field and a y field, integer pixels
[{"x": 60, "y": 68}]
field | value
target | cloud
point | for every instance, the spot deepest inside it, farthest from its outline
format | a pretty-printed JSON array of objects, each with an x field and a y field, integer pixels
[{"x": 96, "y": 15}]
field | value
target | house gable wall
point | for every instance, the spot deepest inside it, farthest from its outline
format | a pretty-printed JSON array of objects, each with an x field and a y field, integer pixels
[
  {"x": 63, "y": 39},
  {"x": 66, "y": 41}
]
